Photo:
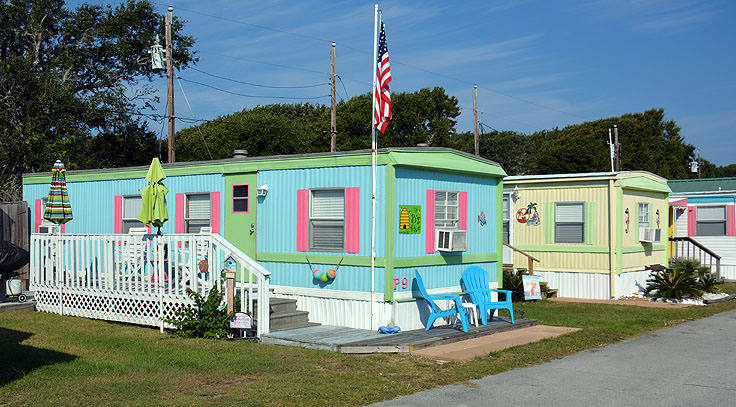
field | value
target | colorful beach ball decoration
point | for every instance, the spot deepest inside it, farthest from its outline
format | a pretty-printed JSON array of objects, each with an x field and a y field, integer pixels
[
  {"x": 324, "y": 276},
  {"x": 203, "y": 266}
]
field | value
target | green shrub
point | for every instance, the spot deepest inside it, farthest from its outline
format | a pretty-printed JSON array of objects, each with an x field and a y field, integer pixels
[
  {"x": 205, "y": 319},
  {"x": 685, "y": 278},
  {"x": 513, "y": 281}
]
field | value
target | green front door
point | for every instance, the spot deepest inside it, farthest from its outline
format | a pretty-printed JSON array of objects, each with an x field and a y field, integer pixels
[{"x": 240, "y": 211}]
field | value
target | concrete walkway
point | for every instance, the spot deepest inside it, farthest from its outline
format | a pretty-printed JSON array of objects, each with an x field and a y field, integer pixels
[{"x": 691, "y": 364}]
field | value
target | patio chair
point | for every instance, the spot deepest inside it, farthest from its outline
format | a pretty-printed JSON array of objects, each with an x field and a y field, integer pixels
[
  {"x": 436, "y": 312},
  {"x": 475, "y": 280}
]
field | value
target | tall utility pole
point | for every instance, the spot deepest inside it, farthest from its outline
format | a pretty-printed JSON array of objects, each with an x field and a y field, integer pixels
[
  {"x": 170, "y": 85},
  {"x": 700, "y": 165},
  {"x": 618, "y": 148},
  {"x": 475, "y": 118},
  {"x": 333, "y": 109}
]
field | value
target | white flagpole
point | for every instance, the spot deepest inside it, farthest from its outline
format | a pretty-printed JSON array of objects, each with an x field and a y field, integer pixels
[{"x": 373, "y": 167}]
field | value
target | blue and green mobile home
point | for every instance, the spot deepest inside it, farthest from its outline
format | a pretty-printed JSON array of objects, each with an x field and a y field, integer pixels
[{"x": 437, "y": 211}]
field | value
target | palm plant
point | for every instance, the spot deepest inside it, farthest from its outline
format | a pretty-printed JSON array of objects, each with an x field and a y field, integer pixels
[{"x": 680, "y": 281}]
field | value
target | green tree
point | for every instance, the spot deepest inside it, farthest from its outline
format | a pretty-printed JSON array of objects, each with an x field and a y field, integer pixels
[{"x": 73, "y": 85}]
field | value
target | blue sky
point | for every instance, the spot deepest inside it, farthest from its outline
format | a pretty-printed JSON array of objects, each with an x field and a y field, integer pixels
[{"x": 538, "y": 64}]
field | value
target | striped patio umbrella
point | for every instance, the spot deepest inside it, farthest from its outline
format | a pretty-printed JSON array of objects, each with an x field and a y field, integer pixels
[{"x": 58, "y": 208}]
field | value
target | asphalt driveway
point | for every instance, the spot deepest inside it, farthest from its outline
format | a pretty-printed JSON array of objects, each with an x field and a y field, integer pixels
[{"x": 692, "y": 364}]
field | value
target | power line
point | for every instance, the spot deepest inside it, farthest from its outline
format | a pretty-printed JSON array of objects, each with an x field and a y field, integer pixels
[
  {"x": 192, "y": 112},
  {"x": 254, "y": 96},
  {"x": 258, "y": 84},
  {"x": 347, "y": 96}
]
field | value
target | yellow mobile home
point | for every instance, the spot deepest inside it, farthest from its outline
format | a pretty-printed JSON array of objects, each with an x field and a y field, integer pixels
[{"x": 593, "y": 233}]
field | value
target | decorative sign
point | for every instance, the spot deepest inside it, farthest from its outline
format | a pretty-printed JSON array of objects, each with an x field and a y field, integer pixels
[
  {"x": 627, "y": 219},
  {"x": 482, "y": 218},
  {"x": 657, "y": 218},
  {"x": 404, "y": 283},
  {"x": 528, "y": 215},
  {"x": 532, "y": 290},
  {"x": 241, "y": 320},
  {"x": 410, "y": 219},
  {"x": 230, "y": 263}
]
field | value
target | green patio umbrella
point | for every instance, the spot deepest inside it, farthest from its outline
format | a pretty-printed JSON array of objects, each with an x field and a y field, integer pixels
[
  {"x": 153, "y": 211},
  {"x": 58, "y": 209}
]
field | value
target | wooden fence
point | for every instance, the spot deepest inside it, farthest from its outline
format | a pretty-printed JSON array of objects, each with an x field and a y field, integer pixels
[{"x": 15, "y": 228}]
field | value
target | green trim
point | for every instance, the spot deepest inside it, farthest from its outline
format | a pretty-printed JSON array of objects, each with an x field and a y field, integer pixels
[
  {"x": 363, "y": 261},
  {"x": 443, "y": 161},
  {"x": 636, "y": 221},
  {"x": 666, "y": 218},
  {"x": 590, "y": 223},
  {"x": 564, "y": 249},
  {"x": 391, "y": 228},
  {"x": 549, "y": 222},
  {"x": 620, "y": 229},
  {"x": 441, "y": 260},
  {"x": 644, "y": 248},
  {"x": 499, "y": 230},
  {"x": 645, "y": 184}
]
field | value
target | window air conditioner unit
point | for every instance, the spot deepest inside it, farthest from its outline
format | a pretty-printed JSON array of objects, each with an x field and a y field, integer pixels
[
  {"x": 650, "y": 235},
  {"x": 450, "y": 240}
]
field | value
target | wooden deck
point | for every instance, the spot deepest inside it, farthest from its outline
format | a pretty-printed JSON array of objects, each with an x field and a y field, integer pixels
[{"x": 350, "y": 340}]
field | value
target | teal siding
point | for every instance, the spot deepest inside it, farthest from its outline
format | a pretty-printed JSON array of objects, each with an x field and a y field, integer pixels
[
  {"x": 411, "y": 187},
  {"x": 348, "y": 278},
  {"x": 439, "y": 276}
]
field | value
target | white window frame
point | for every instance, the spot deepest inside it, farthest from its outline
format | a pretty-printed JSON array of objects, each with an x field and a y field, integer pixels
[
  {"x": 188, "y": 220},
  {"x": 317, "y": 222},
  {"x": 643, "y": 219},
  {"x": 581, "y": 223},
  {"x": 127, "y": 223},
  {"x": 446, "y": 222},
  {"x": 506, "y": 215},
  {"x": 699, "y": 232}
]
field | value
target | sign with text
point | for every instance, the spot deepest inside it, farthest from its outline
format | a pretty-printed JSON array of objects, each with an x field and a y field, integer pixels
[
  {"x": 410, "y": 219},
  {"x": 532, "y": 290},
  {"x": 241, "y": 320}
]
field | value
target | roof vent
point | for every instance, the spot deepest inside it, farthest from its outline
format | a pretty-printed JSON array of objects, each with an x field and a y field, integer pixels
[{"x": 240, "y": 154}]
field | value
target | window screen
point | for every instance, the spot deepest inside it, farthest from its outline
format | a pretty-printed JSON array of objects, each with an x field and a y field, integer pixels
[
  {"x": 710, "y": 221},
  {"x": 506, "y": 219},
  {"x": 446, "y": 213},
  {"x": 197, "y": 213},
  {"x": 569, "y": 223},
  {"x": 131, "y": 207},
  {"x": 643, "y": 215},
  {"x": 327, "y": 220},
  {"x": 241, "y": 195}
]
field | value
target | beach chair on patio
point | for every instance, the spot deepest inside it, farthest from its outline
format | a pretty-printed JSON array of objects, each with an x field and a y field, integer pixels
[
  {"x": 475, "y": 280},
  {"x": 435, "y": 311}
]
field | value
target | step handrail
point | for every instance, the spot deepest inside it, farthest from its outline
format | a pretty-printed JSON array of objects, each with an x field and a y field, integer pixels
[
  {"x": 696, "y": 244},
  {"x": 674, "y": 252},
  {"x": 530, "y": 259}
]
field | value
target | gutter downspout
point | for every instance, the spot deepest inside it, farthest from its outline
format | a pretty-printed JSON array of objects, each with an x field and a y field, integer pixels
[{"x": 611, "y": 237}]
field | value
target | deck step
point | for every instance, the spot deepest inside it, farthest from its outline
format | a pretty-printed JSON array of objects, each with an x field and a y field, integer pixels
[{"x": 282, "y": 321}]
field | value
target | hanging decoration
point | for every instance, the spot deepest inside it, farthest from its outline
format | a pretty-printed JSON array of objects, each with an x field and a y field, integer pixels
[
  {"x": 482, "y": 218},
  {"x": 657, "y": 218},
  {"x": 528, "y": 215},
  {"x": 324, "y": 276},
  {"x": 626, "y": 217},
  {"x": 410, "y": 219}
]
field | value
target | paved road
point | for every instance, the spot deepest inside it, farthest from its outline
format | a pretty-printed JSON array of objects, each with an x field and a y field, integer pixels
[{"x": 692, "y": 364}]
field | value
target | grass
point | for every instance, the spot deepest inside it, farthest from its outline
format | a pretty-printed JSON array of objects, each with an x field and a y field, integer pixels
[{"x": 58, "y": 360}]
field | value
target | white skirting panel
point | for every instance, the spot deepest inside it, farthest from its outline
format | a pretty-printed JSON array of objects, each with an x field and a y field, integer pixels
[
  {"x": 728, "y": 271},
  {"x": 577, "y": 285},
  {"x": 631, "y": 283}
]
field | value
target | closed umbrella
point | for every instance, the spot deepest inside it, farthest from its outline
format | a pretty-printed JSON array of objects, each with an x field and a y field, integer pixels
[
  {"x": 153, "y": 211},
  {"x": 58, "y": 208}
]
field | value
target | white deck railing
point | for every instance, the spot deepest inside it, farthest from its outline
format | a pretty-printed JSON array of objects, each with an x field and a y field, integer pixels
[{"x": 140, "y": 279}]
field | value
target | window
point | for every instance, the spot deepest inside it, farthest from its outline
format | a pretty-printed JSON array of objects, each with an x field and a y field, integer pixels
[
  {"x": 131, "y": 207},
  {"x": 241, "y": 195},
  {"x": 446, "y": 213},
  {"x": 569, "y": 222},
  {"x": 710, "y": 221},
  {"x": 327, "y": 220},
  {"x": 643, "y": 215},
  {"x": 506, "y": 219},
  {"x": 197, "y": 214}
]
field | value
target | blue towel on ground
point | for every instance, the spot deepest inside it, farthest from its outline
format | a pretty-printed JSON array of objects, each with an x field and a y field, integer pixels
[{"x": 389, "y": 329}]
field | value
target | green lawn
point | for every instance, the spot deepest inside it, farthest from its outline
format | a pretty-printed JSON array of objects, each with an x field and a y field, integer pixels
[{"x": 56, "y": 360}]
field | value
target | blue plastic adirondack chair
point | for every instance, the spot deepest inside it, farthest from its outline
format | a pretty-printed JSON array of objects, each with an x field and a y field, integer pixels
[
  {"x": 475, "y": 280},
  {"x": 436, "y": 312}
]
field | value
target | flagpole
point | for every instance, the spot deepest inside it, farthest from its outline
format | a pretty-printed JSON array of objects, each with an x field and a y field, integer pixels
[{"x": 373, "y": 166}]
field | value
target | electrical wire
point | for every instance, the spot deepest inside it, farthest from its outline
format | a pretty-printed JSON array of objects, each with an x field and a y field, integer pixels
[
  {"x": 186, "y": 99},
  {"x": 254, "y": 96},
  {"x": 347, "y": 96},
  {"x": 257, "y": 84}
]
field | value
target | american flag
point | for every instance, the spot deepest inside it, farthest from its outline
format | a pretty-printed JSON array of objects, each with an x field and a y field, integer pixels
[{"x": 382, "y": 104}]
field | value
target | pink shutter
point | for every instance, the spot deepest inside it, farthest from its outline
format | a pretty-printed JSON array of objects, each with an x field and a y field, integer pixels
[
  {"x": 37, "y": 214},
  {"x": 118, "y": 227},
  {"x": 352, "y": 220},
  {"x": 63, "y": 228},
  {"x": 730, "y": 221},
  {"x": 463, "y": 211},
  {"x": 430, "y": 221},
  {"x": 302, "y": 220},
  {"x": 179, "y": 213},
  {"x": 215, "y": 212},
  {"x": 691, "y": 221}
]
